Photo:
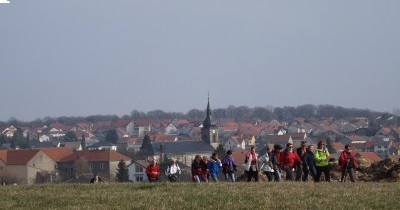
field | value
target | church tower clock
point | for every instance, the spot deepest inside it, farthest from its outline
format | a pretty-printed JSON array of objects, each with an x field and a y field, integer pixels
[{"x": 210, "y": 130}]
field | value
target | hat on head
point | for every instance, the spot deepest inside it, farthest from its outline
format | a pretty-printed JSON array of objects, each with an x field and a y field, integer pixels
[{"x": 277, "y": 146}]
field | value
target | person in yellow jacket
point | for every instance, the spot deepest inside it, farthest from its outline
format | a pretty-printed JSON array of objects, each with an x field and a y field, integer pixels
[{"x": 321, "y": 162}]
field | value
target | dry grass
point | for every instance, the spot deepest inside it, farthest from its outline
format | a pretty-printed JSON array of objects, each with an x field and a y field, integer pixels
[{"x": 207, "y": 196}]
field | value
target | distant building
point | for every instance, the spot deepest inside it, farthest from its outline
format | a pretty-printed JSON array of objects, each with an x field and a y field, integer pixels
[
  {"x": 137, "y": 171},
  {"x": 102, "y": 163},
  {"x": 185, "y": 151}
]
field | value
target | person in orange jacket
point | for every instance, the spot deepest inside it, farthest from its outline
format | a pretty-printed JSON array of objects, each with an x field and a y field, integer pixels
[
  {"x": 153, "y": 171},
  {"x": 347, "y": 164}
]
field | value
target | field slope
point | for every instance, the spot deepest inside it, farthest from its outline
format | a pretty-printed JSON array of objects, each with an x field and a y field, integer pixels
[{"x": 207, "y": 196}]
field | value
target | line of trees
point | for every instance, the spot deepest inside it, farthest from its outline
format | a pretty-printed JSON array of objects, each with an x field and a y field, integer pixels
[{"x": 238, "y": 113}]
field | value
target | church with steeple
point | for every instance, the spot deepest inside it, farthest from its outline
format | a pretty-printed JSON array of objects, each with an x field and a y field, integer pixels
[
  {"x": 185, "y": 151},
  {"x": 210, "y": 130}
]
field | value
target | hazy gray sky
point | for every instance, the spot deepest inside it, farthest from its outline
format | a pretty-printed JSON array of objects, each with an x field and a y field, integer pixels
[{"x": 83, "y": 57}]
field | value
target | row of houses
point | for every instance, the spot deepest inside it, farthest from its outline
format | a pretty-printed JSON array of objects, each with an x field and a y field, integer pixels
[{"x": 48, "y": 165}]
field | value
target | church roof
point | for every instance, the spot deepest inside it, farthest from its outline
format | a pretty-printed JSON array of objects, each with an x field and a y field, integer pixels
[{"x": 183, "y": 147}]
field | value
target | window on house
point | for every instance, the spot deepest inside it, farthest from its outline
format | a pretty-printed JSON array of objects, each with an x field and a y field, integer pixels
[
  {"x": 102, "y": 166},
  {"x": 139, "y": 178},
  {"x": 138, "y": 168},
  {"x": 91, "y": 166}
]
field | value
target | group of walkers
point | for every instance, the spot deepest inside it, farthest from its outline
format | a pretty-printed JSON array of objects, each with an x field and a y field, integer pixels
[
  {"x": 297, "y": 165},
  {"x": 204, "y": 170}
]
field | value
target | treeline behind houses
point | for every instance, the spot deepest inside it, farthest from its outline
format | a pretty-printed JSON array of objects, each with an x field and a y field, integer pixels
[{"x": 238, "y": 113}]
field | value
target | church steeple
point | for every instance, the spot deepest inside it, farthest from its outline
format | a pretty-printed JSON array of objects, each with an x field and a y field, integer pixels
[
  {"x": 208, "y": 122},
  {"x": 210, "y": 130}
]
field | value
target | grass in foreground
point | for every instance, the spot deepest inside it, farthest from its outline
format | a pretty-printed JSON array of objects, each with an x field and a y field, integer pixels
[{"x": 206, "y": 196}]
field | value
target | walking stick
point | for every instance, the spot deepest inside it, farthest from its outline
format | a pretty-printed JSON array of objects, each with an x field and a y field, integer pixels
[{"x": 345, "y": 170}]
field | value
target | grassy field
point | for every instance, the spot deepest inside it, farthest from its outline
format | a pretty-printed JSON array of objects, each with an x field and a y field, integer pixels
[{"x": 206, "y": 196}]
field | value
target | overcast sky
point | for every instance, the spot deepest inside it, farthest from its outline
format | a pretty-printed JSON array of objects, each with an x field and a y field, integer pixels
[{"x": 84, "y": 57}]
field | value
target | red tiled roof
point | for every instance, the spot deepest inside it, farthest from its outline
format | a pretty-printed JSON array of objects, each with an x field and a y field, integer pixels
[
  {"x": 280, "y": 138},
  {"x": 339, "y": 147},
  {"x": 3, "y": 155},
  {"x": 97, "y": 155},
  {"x": 239, "y": 157},
  {"x": 142, "y": 163},
  {"x": 59, "y": 126},
  {"x": 122, "y": 123},
  {"x": 20, "y": 157},
  {"x": 356, "y": 138},
  {"x": 162, "y": 138},
  {"x": 371, "y": 156},
  {"x": 129, "y": 140},
  {"x": 297, "y": 135},
  {"x": 385, "y": 131},
  {"x": 57, "y": 153},
  {"x": 143, "y": 122},
  {"x": 229, "y": 126}
]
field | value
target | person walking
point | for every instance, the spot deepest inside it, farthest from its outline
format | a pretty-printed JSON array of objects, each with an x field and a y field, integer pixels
[
  {"x": 204, "y": 168},
  {"x": 309, "y": 163},
  {"x": 321, "y": 162},
  {"x": 229, "y": 167},
  {"x": 173, "y": 171},
  {"x": 153, "y": 171},
  {"x": 197, "y": 171},
  {"x": 300, "y": 170},
  {"x": 266, "y": 165},
  {"x": 289, "y": 161},
  {"x": 275, "y": 161},
  {"x": 251, "y": 162},
  {"x": 347, "y": 164},
  {"x": 214, "y": 164},
  {"x": 96, "y": 179}
]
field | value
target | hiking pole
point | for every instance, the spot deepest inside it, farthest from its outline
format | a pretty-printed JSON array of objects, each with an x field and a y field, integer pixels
[{"x": 345, "y": 170}]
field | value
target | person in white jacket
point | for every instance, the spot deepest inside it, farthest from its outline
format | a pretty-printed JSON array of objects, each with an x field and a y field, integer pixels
[
  {"x": 266, "y": 165},
  {"x": 173, "y": 171},
  {"x": 251, "y": 165}
]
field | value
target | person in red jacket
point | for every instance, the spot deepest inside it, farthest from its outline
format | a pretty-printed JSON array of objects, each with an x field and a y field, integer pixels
[
  {"x": 289, "y": 161},
  {"x": 347, "y": 164},
  {"x": 153, "y": 171}
]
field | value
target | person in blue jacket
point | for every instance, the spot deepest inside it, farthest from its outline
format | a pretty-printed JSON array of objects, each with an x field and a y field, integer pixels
[
  {"x": 309, "y": 163},
  {"x": 213, "y": 165}
]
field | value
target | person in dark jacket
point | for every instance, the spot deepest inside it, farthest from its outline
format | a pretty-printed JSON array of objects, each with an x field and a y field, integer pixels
[
  {"x": 229, "y": 167},
  {"x": 213, "y": 166},
  {"x": 347, "y": 164},
  {"x": 309, "y": 163},
  {"x": 197, "y": 171},
  {"x": 300, "y": 170},
  {"x": 275, "y": 161}
]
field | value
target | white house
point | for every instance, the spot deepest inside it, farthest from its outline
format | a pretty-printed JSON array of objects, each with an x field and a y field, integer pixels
[
  {"x": 138, "y": 128},
  {"x": 44, "y": 138},
  {"x": 103, "y": 145},
  {"x": 137, "y": 171},
  {"x": 234, "y": 144},
  {"x": 171, "y": 129},
  {"x": 9, "y": 132}
]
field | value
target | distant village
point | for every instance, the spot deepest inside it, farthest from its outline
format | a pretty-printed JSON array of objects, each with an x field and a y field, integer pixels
[{"x": 61, "y": 153}]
